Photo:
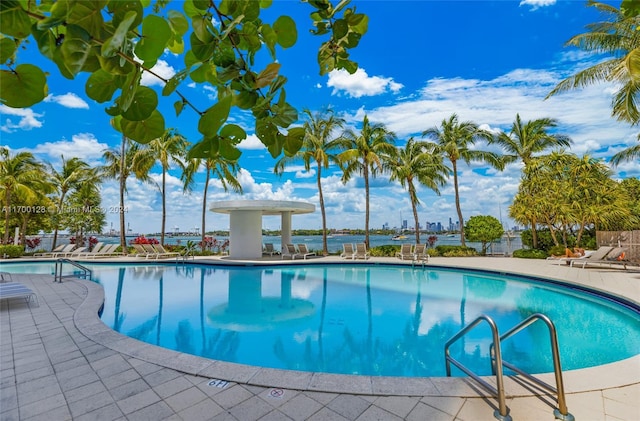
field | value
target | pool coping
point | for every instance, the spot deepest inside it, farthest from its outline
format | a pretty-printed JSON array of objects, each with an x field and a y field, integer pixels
[{"x": 86, "y": 319}]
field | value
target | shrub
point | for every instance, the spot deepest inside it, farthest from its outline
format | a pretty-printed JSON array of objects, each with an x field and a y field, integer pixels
[
  {"x": 531, "y": 254},
  {"x": 11, "y": 251},
  {"x": 557, "y": 250},
  {"x": 455, "y": 251},
  {"x": 387, "y": 250}
]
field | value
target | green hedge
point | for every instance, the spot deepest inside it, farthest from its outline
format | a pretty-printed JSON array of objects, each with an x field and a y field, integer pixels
[
  {"x": 11, "y": 251},
  {"x": 530, "y": 254}
]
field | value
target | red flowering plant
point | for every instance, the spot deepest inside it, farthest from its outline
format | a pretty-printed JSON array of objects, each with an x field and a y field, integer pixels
[
  {"x": 141, "y": 239},
  {"x": 432, "y": 240},
  {"x": 32, "y": 243}
]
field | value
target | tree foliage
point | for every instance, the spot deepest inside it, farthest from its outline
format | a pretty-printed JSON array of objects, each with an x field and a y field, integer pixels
[
  {"x": 115, "y": 42},
  {"x": 483, "y": 229}
]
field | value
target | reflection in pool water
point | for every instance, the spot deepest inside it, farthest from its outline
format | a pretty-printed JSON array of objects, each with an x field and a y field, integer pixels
[{"x": 358, "y": 319}]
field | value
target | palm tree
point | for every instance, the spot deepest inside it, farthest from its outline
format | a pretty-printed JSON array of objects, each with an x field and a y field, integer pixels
[
  {"x": 132, "y": 159},
  {"x": 454, "y": 140},
  {"x": 86, "y": 201},
  {"x": 22, "y": 175},
  {"x": 172, "y": 146},
  {"x": 71, "y": 176},
  {"x": 413, "y": 163},
  {"x": 629, "y": 154},
  {"x": 317, "y": 147},
  {"x": 223, "y": 169},
  {"x": 619, "y": 38},
  {"x": 363, "y": 154},
  {"x": 525, "y": 140}
]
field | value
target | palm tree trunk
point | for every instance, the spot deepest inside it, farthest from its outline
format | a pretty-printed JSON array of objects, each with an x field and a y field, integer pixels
[
  {"x": 414, "y": 208},
  {"x": 6, "y": 215},
  {"x": 204, "y": 206},
  {"x": 123, "y": 185},
  {"x": 534, "y": 234},
  {"x": 365, "y": 174},
  {"x": 455, "y": 185},
  {"x": 325, "y": 248},
  {"x": 164, "y": 206}
]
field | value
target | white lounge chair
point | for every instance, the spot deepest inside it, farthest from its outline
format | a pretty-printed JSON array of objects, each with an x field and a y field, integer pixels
[
  {"x": 269, "y": 249},
  {"x": 361, "y": 251},
  {"x": 596, "y": 255},
  {"x": 347, "y": 251},
  {"x": 290, "y": 252},
  {"x": 304, "y": 251},
  {"x": 420, "y": 253},
  {"x": 47, "y": 253},
  {"x": 613, "y": 257},
  {"x": 405, "y": 252},
  {"x": 164, "y": 253}
]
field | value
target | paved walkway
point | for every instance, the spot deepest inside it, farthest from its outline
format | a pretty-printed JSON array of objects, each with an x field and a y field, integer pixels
[{"x": 60, "y": 362}]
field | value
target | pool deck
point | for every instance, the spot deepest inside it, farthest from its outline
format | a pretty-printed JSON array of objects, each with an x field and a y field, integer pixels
[{"x": 60, "y": 362}]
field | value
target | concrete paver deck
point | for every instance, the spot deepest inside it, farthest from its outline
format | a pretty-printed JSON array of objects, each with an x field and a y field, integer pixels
[{"x": 58, "y": 361}]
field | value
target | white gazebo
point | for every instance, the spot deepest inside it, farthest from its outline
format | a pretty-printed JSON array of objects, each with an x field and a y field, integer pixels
[{"x": 245, "y": 227}]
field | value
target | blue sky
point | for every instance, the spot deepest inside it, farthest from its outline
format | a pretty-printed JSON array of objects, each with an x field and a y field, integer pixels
[{"x": 420, "y": 62}]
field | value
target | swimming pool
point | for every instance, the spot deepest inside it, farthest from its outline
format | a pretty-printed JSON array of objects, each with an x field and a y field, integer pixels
[{"x": 381, "y": 320}]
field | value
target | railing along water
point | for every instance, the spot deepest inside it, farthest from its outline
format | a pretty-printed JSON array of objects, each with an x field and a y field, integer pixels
[
  {"x": 502, "y": 413},
  {"x": 85, "y": 274}
]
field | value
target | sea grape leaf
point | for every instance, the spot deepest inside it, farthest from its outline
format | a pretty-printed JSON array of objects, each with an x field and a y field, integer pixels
[
  {"x": 285, "y": 29},
  {"x": 215, "y": 117},
  {"x": 144, "y": 131},
  {"x": 156, "y": 32},
  {"x": 101, "y": 85},
  {"x": 14, "y": 20},
  {"x": 24, "y": 86},
  {"x": 144, "y": 103}
]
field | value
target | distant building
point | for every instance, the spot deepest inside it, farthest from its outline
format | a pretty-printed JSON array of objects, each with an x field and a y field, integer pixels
[{"x": 404, "y": 224}]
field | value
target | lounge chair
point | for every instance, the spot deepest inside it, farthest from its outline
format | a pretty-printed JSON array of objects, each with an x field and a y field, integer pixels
[
  {"x": 76, "y": 252},
  {"x": 140, "y": 251},
  {"x": 347, "y": 251},
  {"x": 420, "y": 253},
  {"x": 59, "y": 252},
  {"x": 47, "y": 253},
  {"x": 599, "y": 254},
  {"x": 5, "y": 277},
  {"x": 107, "y": 251},
  {"x": 269, "y": 249},
  {"x": 150, "y": 250},
  {"x": 614, "y": 257},
  {"x": 290, "y": 251},
  {"x": 361, "y": 251},
  {"x": 16, "y": 290},
  {"x": 164, "y": 253},
  {"x": 405, "y": 252},
  {"x": 304, "y": 251}
]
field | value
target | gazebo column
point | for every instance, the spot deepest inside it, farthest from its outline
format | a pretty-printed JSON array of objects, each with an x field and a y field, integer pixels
[
  {"x": 285, "y": 230},
  {"x": 245, "y": 234}
]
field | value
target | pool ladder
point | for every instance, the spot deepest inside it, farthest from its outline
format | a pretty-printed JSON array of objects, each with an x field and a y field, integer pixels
[
  {"x": 84, "y": 273},
  {"x": 502, "y": 413}
]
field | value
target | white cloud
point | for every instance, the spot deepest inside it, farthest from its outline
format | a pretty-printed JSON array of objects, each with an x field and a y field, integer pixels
[
  {"x": 27, "y": 119},
  {"x": 251, "y": 142},
  {"x": 68, "y": 100},
  {"x": 536, "y": 4},
  {"x": 360, "y": 84},
  {"x": 81, "y": 145},
  {"x": 161, "y": 68}
]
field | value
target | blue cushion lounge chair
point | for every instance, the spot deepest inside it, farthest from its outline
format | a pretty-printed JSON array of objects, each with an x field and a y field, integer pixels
[{"x": 16, "y": 290}]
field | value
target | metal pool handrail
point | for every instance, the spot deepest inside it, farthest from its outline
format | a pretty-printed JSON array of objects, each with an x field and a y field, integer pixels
[
  {"x": 502, "y": 413},
  {"x": 561, "y": 412},
  {"x": 57, "y": 277}
]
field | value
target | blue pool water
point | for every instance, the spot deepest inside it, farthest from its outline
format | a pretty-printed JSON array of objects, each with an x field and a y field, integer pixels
[{"x": 355, "y": 319}]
